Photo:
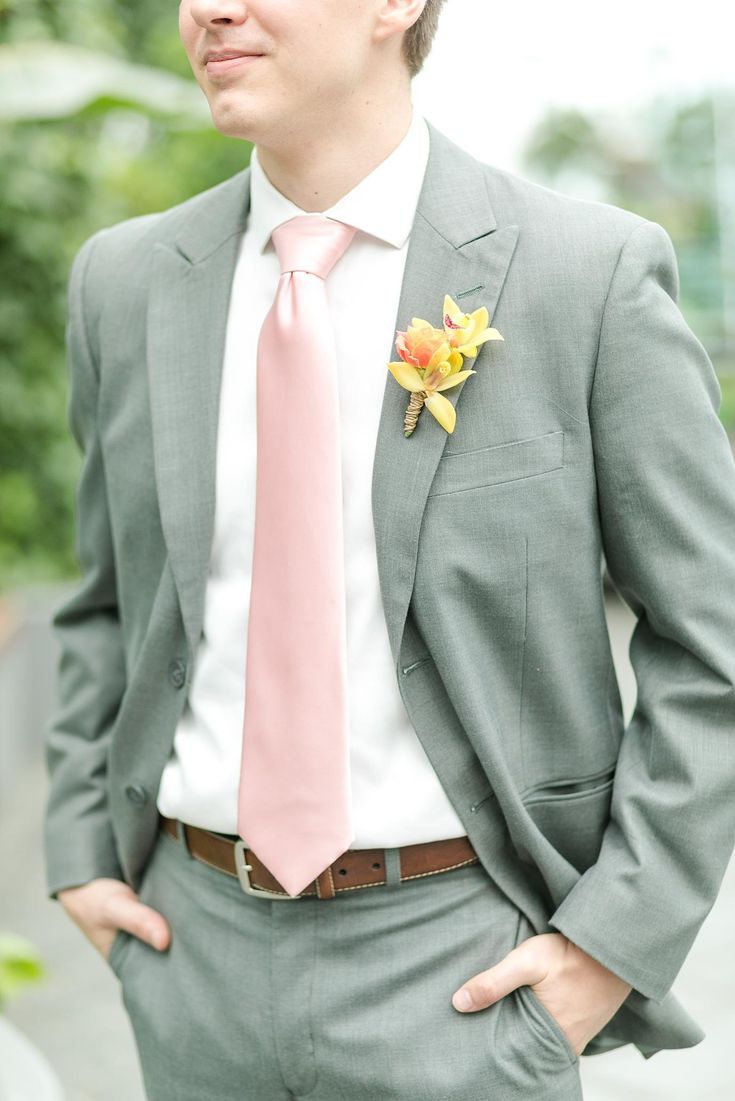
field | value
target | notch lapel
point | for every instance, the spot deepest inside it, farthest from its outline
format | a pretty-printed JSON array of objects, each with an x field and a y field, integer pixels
[
  {"x": 455, "y": 248},
  {"x": 191, "y": 283}
]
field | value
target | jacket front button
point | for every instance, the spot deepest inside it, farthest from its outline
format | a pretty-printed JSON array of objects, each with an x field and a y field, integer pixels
[
  {"x": 137, "y": 794},
  {"x": 177, "y": 672}
]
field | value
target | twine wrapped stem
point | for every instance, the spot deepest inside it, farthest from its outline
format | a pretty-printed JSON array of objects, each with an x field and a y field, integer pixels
[{"x": 415, "y": 406}]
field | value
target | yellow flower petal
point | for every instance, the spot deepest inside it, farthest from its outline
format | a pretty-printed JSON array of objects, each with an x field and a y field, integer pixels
[
  {"x": 440, "y": 355},
  {"x": 470, "y": 348},
  {"x": 480, "y": 317},
  {"x": 452, "y": 380},
  {"x": 443, "y": 410},
  {"x": 406, "y": 375}
]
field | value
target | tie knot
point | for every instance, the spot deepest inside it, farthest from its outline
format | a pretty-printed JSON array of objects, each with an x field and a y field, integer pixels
[{"x": 311, "y": 242}]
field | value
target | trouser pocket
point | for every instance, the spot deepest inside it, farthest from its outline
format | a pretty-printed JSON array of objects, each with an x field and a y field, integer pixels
[{"x": 541, "y": 1018}]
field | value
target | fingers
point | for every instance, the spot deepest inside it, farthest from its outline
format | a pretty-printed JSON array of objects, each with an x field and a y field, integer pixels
[
  {"x": 524, "y": 964},
  {"x": 110, "y": 904},
  {"x": 126, "y": 911}
]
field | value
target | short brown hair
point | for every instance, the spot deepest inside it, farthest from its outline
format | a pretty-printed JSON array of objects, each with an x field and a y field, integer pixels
[{"x": 417, "y": 40}]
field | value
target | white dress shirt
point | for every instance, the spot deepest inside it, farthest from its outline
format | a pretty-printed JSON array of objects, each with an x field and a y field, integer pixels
[{"x": 396, "y": 796}]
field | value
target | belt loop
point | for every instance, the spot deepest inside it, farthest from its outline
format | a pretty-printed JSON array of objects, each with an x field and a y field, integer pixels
[
  {"x": 392, "y": 859},
  {"x": 181, "y": 834},
  {"x": 325, "y": 884}
]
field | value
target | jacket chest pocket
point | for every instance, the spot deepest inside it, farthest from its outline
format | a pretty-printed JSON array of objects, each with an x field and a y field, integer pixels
[{"x": 506, "y": 462}]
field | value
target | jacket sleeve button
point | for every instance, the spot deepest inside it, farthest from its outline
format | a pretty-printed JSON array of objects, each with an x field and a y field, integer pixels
[
  {"x": 137, "y": 794},
  {"x": 177, "y": 672}
]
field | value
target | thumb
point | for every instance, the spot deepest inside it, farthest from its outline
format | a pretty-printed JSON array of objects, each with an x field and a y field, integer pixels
[
  {"x": 521, "y": 965},
  {"x": 143, "y": 921}
]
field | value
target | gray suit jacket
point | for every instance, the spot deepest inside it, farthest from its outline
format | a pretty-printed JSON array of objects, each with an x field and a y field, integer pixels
[{"x": 593, "y": 428}]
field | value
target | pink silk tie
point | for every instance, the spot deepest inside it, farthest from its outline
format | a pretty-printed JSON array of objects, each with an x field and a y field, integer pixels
[{"x": 294, "y": 807}]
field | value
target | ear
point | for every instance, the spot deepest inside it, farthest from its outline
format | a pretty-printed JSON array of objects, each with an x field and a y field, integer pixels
[{"x": 396, "y": 16}]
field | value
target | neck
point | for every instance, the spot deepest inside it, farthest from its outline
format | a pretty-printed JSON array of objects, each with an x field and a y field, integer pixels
[{"x": 316, "y": 170}]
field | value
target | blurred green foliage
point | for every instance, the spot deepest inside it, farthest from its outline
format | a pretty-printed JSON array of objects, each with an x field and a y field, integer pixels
[
  {"x": 101, "y": 119},
  {"x": 727, "y": 411},
  {"x": 61, "y": 178},
  {"x": 665, "y": 164},
  {"x": 20, "y": 965}
]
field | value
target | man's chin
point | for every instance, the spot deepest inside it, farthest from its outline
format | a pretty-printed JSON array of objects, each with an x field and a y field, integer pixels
[{"x": 234, "y": 124}]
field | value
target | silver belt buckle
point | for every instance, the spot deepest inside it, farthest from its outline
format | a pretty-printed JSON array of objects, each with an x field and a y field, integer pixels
[{"x": 242, "y": 874}]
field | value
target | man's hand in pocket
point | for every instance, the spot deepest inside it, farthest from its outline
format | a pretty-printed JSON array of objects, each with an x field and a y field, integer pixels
[
  {"x": 103, "y": 906},
  {"x": 580, "y": 993}
]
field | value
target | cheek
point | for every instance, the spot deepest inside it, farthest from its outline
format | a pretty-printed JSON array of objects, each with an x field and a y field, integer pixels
[
  {"x": 326, "y": 65},
  {"x": 187, "y": 30}
]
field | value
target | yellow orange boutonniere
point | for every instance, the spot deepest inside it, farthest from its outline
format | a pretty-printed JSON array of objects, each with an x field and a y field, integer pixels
[{"x": 431, "y": 360}]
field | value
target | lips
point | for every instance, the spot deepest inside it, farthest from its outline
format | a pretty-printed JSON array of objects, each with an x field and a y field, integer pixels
[
  {"x": 222, "y": 63},
  {"x": 226, "y": 55}
]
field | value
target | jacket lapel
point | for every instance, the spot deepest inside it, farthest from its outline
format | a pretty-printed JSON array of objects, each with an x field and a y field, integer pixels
[
  {"x": 455, "y": 247},
  {"x": 191, "y": 282}
]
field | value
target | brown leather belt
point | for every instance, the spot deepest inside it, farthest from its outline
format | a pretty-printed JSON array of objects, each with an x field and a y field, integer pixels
[{"x": 353, "y": 869}]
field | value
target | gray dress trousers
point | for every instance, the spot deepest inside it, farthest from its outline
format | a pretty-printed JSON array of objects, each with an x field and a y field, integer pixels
[{"x": 343, "y": 999}]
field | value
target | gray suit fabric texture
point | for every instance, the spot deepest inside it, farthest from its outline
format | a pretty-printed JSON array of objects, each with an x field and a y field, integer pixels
[{"x": 591, "y": 430}]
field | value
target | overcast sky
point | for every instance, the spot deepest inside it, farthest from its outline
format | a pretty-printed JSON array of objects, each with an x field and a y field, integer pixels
[{"x": 495, "y": 68}]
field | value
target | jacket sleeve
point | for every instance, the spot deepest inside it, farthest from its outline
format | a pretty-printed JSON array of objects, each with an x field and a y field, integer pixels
[
  {"x": 78, "y": 837},
  {"x": 666, "y": 499}
]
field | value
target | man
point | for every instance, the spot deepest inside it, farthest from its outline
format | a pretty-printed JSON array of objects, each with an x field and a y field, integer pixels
[{"x": 496, "y": 832}]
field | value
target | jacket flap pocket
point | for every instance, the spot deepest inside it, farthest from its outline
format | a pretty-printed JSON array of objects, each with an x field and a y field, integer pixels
[{"x": 503, "y": 462}]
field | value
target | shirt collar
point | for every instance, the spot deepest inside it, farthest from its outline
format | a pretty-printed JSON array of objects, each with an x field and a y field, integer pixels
[{"x": 382, "y": 204}]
